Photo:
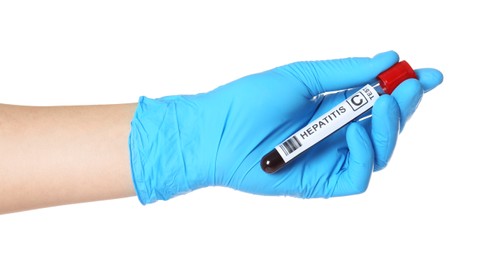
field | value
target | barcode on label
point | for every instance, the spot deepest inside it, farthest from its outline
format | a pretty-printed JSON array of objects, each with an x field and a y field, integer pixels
[{"x": 290, "y": 145}]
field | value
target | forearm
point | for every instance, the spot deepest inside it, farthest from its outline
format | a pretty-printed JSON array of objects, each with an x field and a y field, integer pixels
[{"x": 60, "y": 155}]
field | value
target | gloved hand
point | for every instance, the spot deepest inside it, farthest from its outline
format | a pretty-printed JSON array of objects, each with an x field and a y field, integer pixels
[{"x": 182, "y": 143}]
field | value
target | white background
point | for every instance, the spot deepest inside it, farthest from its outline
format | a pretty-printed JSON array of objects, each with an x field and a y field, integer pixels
[{"x": 424, "y": 205}]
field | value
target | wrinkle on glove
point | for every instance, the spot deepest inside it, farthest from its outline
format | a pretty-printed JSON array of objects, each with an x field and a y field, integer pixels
[{"x": 154, "y": 125}]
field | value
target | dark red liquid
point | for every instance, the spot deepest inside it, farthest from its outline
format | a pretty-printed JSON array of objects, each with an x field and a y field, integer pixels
[{"x": 272, "y": 162}]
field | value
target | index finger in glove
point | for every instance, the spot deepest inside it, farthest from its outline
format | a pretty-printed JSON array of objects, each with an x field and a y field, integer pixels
[{"x": 331, "y": 75}]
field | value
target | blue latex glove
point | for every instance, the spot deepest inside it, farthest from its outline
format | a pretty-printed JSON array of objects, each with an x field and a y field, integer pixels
[{"x": 181, "y": 143}]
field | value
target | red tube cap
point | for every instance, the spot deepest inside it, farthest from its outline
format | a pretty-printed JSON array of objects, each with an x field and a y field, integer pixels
[{"x": 392, "y": 77}]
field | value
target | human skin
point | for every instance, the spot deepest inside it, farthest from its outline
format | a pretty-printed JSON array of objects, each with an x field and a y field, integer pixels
[{"x": 52, "y": 156}]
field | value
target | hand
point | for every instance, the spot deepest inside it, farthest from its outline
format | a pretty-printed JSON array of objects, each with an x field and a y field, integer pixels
[{"x": 182, "y": 143}]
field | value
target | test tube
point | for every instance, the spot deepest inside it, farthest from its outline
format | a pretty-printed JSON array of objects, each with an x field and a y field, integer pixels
[{"x": 339, "y": 116}]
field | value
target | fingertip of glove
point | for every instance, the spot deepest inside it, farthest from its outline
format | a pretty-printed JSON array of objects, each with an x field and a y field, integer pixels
[
  {"x": 429, "y": 78},
  {"x": 358, "y": 139},
  {"x": 410, "y": 91},
  {"x": 386, "y": 104},
  {"x": 386, "y": 54},
  {"x": 383, "y": 61},
  {"x": 355, "y": 128}
]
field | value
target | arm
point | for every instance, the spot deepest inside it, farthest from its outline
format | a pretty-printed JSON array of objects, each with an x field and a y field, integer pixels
[{"x": 61, "y": 155}]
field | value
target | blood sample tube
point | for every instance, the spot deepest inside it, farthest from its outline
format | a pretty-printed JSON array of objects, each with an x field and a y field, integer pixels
[{"x": 339, "y": 116}]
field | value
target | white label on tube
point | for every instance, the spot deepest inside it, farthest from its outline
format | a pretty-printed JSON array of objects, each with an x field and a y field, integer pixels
[{"x": 328, "y": 123}]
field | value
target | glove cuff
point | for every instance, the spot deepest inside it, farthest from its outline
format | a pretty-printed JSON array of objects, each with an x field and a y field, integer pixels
[{"x": 157, "y": 167}]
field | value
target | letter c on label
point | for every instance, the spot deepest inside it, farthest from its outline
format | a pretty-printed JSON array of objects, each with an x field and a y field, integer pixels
[{"x": 356, "y": 102}]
